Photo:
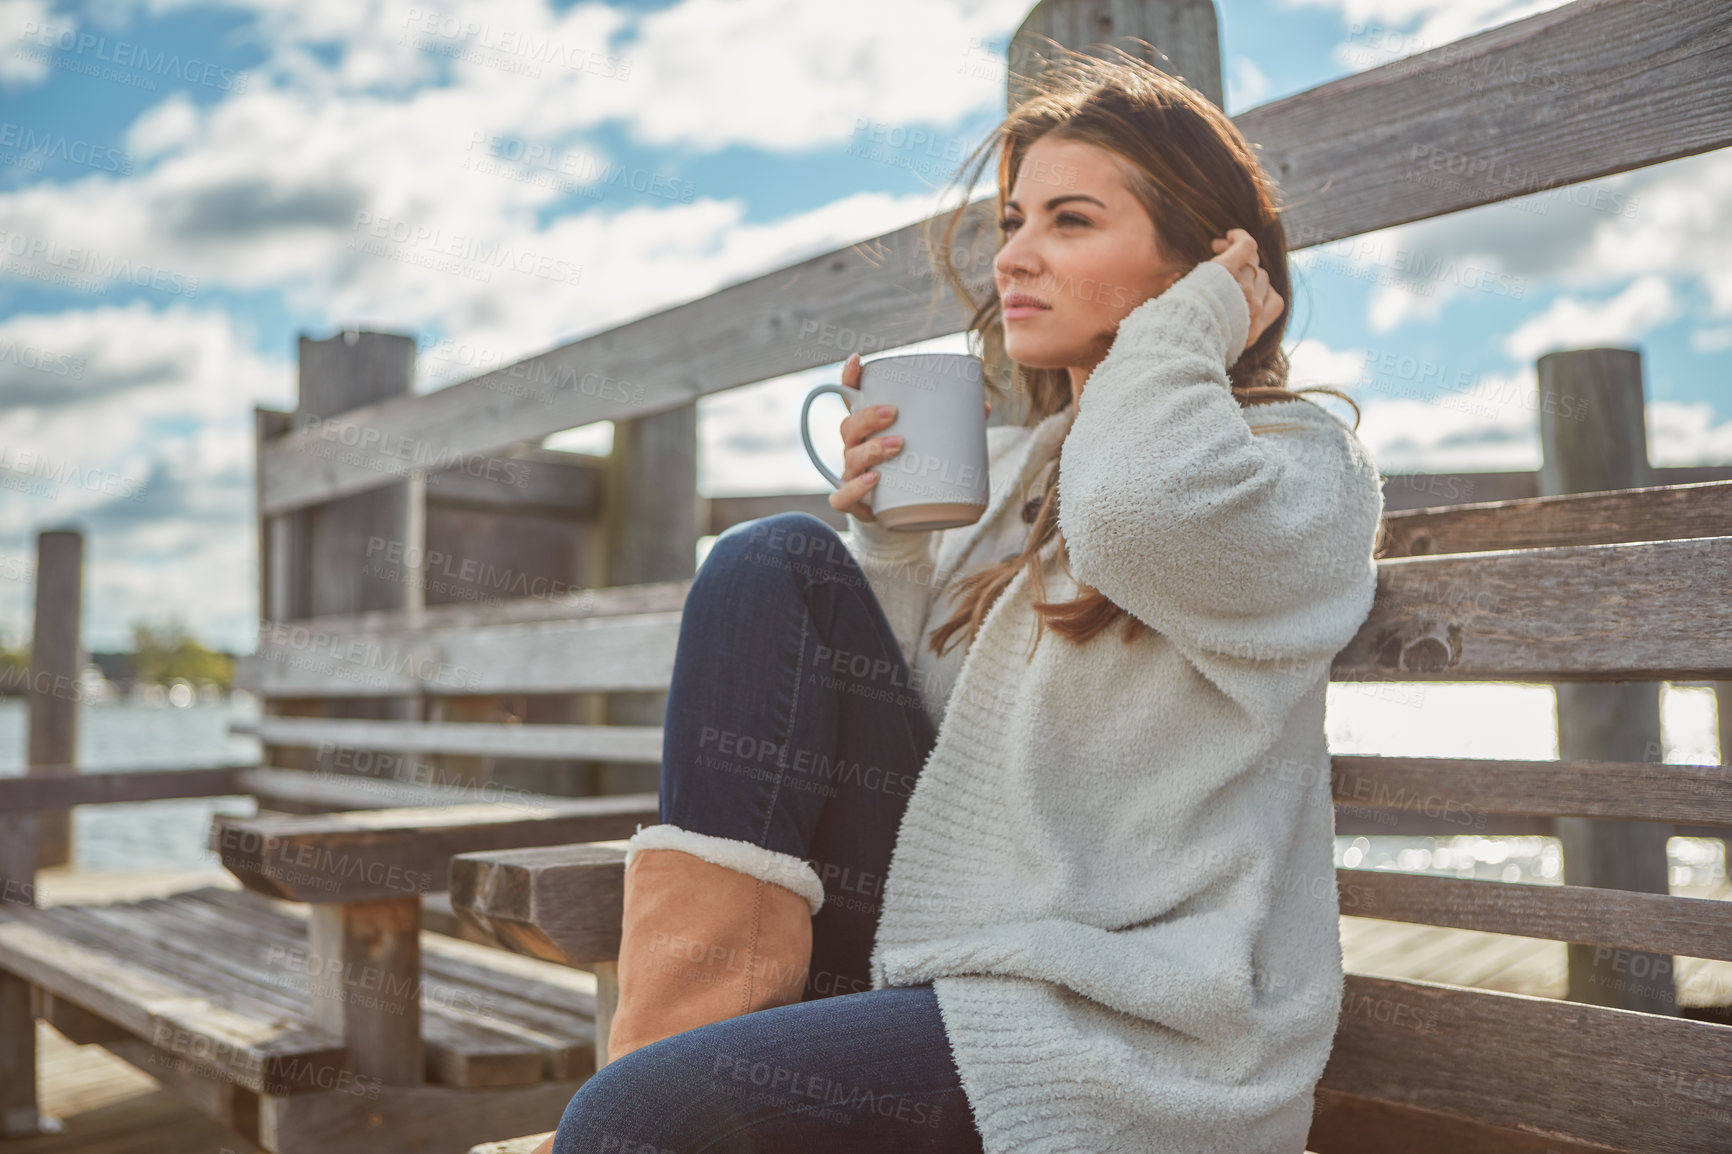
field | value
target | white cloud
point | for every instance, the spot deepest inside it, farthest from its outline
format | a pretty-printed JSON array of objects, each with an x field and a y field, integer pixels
[
  {"x": 1568, "y": 322},
  {"x": 1492, "y": 431},
  {"x": 538, "y": 72},
  {"x": 1417, "y": 416},
  {"x": 1685, "y": 434},
  {"x": 1711, "y": 340},
  {"x": 276, "y": 189},
  {"x": 891, "y": 61},
  {"x": 164, "y": 127},
  {"x": 1380, "y": 31},
  {"x": 1671, "y": 221},
  {"x": 1247, "y": 85},
  {"x": 148, "y": 444},
  {"x": 24, "y": 24}
]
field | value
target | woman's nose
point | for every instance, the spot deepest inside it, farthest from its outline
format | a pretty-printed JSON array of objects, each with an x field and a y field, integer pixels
[{"x": 1013, "y": 258}]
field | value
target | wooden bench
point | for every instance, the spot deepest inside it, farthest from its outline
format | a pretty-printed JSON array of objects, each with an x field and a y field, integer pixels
[
  {"x": 312, "y": 1010},
  {"x": 1628, "y": 585}
]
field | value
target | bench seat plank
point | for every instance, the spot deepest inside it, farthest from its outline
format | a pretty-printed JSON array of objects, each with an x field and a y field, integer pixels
[
  {"x": 460, "y": 1050},
  {"x": 460, "y": 979},
  {"x": 488, "y": 1018},
  {"x": 244, "y": 1039},
  {"x": 562, "y": 903},
  {"x": 389, "y": 853},
  {"x": 480, "y": 1029}
]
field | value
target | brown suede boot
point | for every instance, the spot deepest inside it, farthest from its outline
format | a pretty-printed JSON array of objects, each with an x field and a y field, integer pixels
[{"x": 713, "y": 928}]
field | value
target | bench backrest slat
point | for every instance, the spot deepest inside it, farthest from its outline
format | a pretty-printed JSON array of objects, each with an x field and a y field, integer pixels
[
  {"x": 473, "y": 739},
  {"x": 1565, "y": 614},
  {"x": 1623, "y": 919},
  {"x": 1462, "y": 790},
  {"x": 1657, "y": 513}
]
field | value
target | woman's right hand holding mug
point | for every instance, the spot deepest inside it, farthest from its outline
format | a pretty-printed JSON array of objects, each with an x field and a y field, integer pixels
[{"x": 861, "y": 451}]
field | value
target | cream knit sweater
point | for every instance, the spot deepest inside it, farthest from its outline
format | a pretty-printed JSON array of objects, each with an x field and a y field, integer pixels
[
  {"x": 1125, "y": 904},
  {"x": 1127, "y": 908}
]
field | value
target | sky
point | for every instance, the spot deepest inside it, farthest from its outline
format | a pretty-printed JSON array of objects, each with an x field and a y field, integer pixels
[{"x": 187, "y": 187}]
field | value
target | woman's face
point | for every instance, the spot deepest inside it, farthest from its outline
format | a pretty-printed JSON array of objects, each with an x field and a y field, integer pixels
[{"x": 1082, "y": 247}]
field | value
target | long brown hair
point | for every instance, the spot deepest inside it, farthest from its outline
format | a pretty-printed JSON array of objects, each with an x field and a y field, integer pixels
[{"x": 1196, "y": 176}]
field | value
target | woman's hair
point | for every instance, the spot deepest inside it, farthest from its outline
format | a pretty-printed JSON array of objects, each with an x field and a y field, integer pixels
[{"x": 1197, "y": 177}]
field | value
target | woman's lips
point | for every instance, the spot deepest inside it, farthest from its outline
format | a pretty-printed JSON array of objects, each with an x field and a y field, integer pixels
[{"x": 1020, "y": 306}]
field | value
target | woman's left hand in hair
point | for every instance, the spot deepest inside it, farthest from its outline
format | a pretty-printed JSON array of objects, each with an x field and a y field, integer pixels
[{"x": 1238, "y": 252}]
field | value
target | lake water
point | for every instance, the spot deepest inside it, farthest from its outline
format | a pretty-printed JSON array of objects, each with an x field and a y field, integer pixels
[
  {"x": 118, "y": 736},
  {"x": 1434, "y": 720}
]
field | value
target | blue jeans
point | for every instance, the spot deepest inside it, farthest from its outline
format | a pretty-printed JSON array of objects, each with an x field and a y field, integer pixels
[{"x": 792, "y": 722}]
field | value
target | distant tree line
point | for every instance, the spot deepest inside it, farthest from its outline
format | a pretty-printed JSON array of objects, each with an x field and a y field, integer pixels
[{"x": 161, "y": 655}]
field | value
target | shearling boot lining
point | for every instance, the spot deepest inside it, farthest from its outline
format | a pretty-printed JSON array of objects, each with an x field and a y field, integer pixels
[{"x": 770, "y": 865}]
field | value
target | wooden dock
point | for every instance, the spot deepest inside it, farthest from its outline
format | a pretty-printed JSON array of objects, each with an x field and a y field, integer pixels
[{"x": 110, "y": 1107}]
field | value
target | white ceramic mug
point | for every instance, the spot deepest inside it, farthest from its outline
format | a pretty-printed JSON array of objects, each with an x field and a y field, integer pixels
[{"x": 938, "y": 480}]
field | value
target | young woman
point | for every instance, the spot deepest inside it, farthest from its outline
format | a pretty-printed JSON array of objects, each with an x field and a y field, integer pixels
[{"x": 928, "y": 878}]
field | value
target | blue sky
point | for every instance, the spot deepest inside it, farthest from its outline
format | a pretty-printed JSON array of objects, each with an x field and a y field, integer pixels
[{"x": 185, "y": 187}]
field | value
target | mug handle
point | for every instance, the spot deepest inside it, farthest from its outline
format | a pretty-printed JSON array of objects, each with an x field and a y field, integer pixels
[{"x": 806, "y": 431}]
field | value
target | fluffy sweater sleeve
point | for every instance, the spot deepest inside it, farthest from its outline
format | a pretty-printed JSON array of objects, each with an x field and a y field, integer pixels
[
  {"x": 901, "y": 569},
  {"x": 1229, "y": 542}
]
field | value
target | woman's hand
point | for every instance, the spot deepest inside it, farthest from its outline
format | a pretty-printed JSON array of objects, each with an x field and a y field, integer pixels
[
  {"x": 1237, "y": 251},
  {"x": 861, "y": 451}
]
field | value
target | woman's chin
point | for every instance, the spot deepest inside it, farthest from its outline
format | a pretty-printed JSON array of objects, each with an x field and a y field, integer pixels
[{"x": 1033, "y": 355}]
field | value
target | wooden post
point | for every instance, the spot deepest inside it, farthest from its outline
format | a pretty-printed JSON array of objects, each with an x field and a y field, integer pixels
[
  {"x": 56, "y": 660},
  {"x": 18, "y": 1112},
  {"x": 606, "y": 1005},
  {"x": 1185, "y": 31},
  {"x": 29, "y": 841},
  {"x": 364, "y": 965},
  {"x": 19, "y": 1116},
  {"x": 318, "y": 560},
  {"x": 1593, "y": 432},
  {"x": 345, "y": 372},
  {"x": 651, "y": 531}
]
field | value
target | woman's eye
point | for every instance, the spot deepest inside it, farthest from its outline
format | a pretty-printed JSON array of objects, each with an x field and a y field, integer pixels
[{"x": 1008, "y": 225}]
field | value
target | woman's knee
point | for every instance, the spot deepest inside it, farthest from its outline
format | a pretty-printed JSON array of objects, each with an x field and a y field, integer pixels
[
  {"x": 617, "y": 1109},
  {"x": 782, "y": 541}
]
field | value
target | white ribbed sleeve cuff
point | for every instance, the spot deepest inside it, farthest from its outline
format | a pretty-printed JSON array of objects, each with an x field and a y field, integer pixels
[
  {"x": 1208, "y": 284},
  {"x": 875, "y": 538},
  {"x": 769, "y": 865}
]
